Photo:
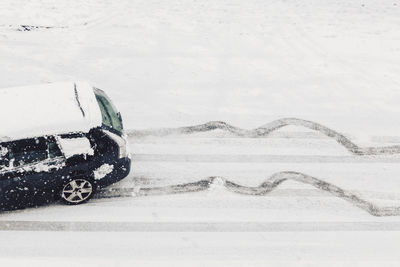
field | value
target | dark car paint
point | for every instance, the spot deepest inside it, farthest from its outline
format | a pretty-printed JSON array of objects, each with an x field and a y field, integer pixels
[{"x": 23, "y": 187}]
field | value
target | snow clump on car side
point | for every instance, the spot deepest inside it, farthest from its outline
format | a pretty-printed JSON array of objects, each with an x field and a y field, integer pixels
[{"x": 102, "y": 171}]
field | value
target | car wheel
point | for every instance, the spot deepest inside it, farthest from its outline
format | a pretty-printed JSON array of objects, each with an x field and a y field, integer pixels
[{"x": 77, "y": 191}]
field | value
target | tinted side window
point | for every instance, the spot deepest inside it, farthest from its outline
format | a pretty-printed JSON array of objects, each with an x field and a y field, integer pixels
[
  {"x": 54, "y": 149},
  {"x": 27, "y": 151}
]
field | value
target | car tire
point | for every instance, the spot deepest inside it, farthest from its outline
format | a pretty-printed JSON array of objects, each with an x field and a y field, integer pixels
[{"x": 77, "y": 191}]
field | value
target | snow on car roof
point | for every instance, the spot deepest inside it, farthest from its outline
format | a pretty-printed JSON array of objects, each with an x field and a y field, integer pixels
[{"x": 47, "y": 109}]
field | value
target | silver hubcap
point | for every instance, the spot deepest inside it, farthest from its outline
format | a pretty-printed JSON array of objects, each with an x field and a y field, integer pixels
[{"x": 77, "y": 190}]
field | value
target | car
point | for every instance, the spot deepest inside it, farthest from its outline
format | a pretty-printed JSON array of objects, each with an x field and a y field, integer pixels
[{"x": 59, "y": 141}]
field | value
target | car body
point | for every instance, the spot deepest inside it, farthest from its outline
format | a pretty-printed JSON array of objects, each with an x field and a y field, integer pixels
[{"x": 65, "y": 140}]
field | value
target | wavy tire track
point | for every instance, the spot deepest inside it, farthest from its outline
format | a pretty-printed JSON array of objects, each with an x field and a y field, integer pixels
[
  {"x": 268, "y": 186},
  {"x": 266, "y": 129}
]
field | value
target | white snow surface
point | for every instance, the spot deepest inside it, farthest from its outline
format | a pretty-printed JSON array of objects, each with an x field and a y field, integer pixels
[
  {"x": 47, "y": 109},
  {"x": 294, "y": 225},
  {"x": 185, "y": 62},
  {"x": 182, "y": 62}
]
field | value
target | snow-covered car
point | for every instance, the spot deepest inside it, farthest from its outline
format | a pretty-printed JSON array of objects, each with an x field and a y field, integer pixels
[{"x": 62, "y": 140}]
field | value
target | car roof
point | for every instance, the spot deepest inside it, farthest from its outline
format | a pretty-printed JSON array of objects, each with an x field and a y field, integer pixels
[{"x": 47, "y": 109}]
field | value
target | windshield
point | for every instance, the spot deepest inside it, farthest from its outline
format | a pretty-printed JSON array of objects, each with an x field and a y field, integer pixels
[{"x": 110, "y": 116}]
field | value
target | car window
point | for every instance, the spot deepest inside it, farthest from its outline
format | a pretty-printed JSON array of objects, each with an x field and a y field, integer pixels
[
  {"x": 73, "y": 146},
  {"x": 27, "y": 151},
  {"x": 110, "y": 115},
  {"x": 54, "y": 149}
]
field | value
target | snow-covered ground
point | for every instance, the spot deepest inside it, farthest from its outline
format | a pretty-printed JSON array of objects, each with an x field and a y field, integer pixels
[
  {"x": 172, "y": 63},
  {"x": 176, "y": 63},
  {"x": 296, "y": 224}
]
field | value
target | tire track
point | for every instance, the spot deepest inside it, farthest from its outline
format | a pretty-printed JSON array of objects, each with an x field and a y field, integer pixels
[
  {"x": 240, "y": 158},
  {"x": 266, "y": 187},
  {"x": 266, "y": 129},
  {"x": 111, "y": 226}
]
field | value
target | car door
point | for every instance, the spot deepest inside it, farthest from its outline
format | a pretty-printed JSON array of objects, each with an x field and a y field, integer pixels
[
  {"x": 33, "y": 170},
  {"x": 5, "y": 171}
]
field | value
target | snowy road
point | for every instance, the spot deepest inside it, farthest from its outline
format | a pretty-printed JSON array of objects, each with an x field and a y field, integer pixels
[
  {"x": 294, "y": 224},
  {"x": 203, "y": 249}
]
